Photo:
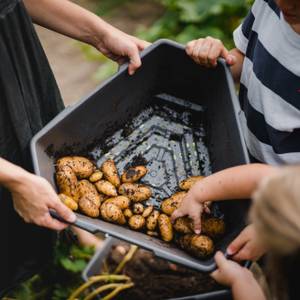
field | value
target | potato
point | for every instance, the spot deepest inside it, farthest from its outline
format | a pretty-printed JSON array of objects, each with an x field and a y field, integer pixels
[
  {"x": 106, "y": 188},
  {"x": 213, "y": 227},
  {"x": 85, "y": 187},
  {"x": 121, "y": 201},
  {"x": 135, "y": 192},
  {"x": 110, "y": 172},
  {"x": 68, "y": 201},
  {"x": 82, "y": 167},
  {"x": 186, "y": 184},
  {"x": 169, "y": 205},
  {"x": 96, "y": 176},
  {"x": 165, "y": 227},
  {"x": 67, "y": 182},
  {"x": 128, "y": 213},
  {"x": 152, "y": 233},
  {"x": 133, "y": 174},
  {"x": 183, "y": 225},
  {"x": 88, "y": 206},
  {"x": 147, "y": 211},
  {"x": 198, "y": 245},
  {"x": 138, "y": 208},
  {"x": 152, "y": 220},
  {"x": 112, "y": 213},
  {"x": 136, "y": 222}
]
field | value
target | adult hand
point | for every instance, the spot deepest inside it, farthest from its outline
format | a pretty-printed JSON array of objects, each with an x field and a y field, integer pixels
[{"x": 246, "y": 246}]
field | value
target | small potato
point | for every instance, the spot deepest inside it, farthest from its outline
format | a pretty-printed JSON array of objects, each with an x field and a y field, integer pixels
[
  {"x": 152, "y": 220},
  {"x": 121, "y": 201},
  {"x": 110, "y": 172},
  {"x": 183, "y": 225},
  {"x": 106, "y": 188},
  {"x": 165, "y": 227},
  {"x": 133, "y": 174},
  {"x": 213, "y": 227},
  {"x": 138, "y": 208},
  {"x": 67, "y": 182},
  {"x": 82, "y": 167},
  {"x": 198, "y": 245},
  {"x": 68, "y": 201},
  {"x": 136, "y": 222},
  {"x": 152, "y": 233},
  {"x": 135, "y": 192},
  {"x": 128, "y": 213},
  {"x": 88, "y": 206},
  {"x": 186, "y": 184},
  {"x": 96, "y": 176},
  {"x": 112, "y": 213},
  {"x": 169, "y": 205},
  {"x": 148, "y": 210}
]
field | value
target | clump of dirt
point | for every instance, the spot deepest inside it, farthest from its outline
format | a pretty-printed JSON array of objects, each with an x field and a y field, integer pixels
[{"x": 156, "y": 279}]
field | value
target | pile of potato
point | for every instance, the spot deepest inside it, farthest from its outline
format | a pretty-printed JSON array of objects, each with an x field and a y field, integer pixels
[{"x": 120, "y": 199}]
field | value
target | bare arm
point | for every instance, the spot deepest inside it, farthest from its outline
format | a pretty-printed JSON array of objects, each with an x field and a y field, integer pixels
[{"x": 236, "y": 69}]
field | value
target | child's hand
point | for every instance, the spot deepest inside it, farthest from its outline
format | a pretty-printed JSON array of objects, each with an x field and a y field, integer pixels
[
  {"x": 246, "y": 246},
  {"x": 206, "y": 52},
  {"x": 228, "y": 272}
]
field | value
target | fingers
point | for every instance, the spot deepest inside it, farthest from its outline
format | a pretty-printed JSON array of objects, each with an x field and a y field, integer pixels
[
  {"x": 237, "y": 243},
  {"x": 196, "y": 217},
  {"x": 64, "y": 211},
  {"x": 134, "y": 60},
  {"x": 178, "y": 213},
  {"x": 220, "y": 262}
]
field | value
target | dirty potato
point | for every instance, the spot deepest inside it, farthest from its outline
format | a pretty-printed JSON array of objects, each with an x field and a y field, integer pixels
[
  {"x": 68, "y": 201},
  {"x": 106, "y": 188},
  {"x": 133, "y": 174},
  {"x": 213, "y": 227},
  {"x": 152, "y": 220},
  {"x": 169, "y": 205},
  {"x": 85, "y": 187},
  {"x": 121, "y": 201},
  {"x": 165, "y": 227},
  {"x": 67, "y": 182},
  {"x": 89, "y": 206},
  {"x": 128, "y": 213},
  {"x": 147, "y": 211},
  {"x": 198, "y": 245},
  {"x": 96, "y": 176},
  {"x": 112, "y": 213},
  {"x": 110, "y": 172},
  {"x": 135, "y": 192},
  {"x": 136, "y": 222},
  {"x": 183, "y": 225},
  {"x": 187, "y": 183},
  {"x": 138, "y": 208}
]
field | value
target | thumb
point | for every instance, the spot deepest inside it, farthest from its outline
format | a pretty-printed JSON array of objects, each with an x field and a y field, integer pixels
[
  {"x": 220, "y": 259},
  {"x": 64, "y": 212},
  {"x": 176, "y": 214},
  {"x": 134, "y": 60}
]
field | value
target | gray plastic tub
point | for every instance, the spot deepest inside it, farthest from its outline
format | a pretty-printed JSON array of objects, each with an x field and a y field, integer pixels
[{"x": 172, "y": 146}]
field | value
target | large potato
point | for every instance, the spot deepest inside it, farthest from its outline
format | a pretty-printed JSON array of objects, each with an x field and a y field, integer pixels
[
  {"x": 152, "y": 220},
  {"x": 82, "y": 167},
  {"x": 198, "y": 245},
  {"x": 68, "y": 201},
  {"x": 133, "y": 174},
  {"x": 169, "y": 205},
  {"x": 110, "y": 172},
  {"x": 136, "y": 222},
  {"x": 183, "y": 225},
  {"x": 85, "y": 187},
  {"x": 67, "y": 182},
  {"x": 112, "y": 213},
  {"x": 121, "y": 201},
  {"x": 213, "y": 227},
  {"x": 106, "y": 188},
  {"x": 89, "y": 206},
  {"x": 186, "y": 184},
  {"x": 135, "y": 192},
  {"x": 96, "y": 176},
  {"x": 165, "y": 227}
]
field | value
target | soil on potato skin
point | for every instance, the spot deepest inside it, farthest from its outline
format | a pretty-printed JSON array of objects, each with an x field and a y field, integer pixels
[{"x": 157, "y": 279}]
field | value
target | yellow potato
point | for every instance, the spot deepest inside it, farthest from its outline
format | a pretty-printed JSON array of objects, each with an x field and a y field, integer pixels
[
  {"x": 165, "y": 227},
  {"x": 136, "y": 222},
  {"x": 67, "y": 182},
  {"x": 133, "y": 174},
  {"x": 88, "y": 206},
  {"x": 110, "y": 172},
  {"x": 86, "y": 188},
  {"x": 68, "y": 201},
  {"x": 112, "y": 213},
  {"x": 198, "y": 245},
  {"x": 121, "y": 201},
  {"x": 147, "y": 211},
  {"x": 135, "y": 192},
  {"x": 138, "y": 208},
  {"x": 152, "y": 220},
  {"x": 213, "y": 227},
  {"x": 96, "y": 176},
  {"x": 106, "y": 188},
  {"x": 183, "y": 225},
  {"x": 169, "y": 205},
  {"x": 186, "y": 184},
  {"x": 128, "y": 213}
]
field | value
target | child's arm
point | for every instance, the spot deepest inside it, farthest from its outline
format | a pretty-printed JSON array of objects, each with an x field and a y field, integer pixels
[{"x": 206, "y": 52}]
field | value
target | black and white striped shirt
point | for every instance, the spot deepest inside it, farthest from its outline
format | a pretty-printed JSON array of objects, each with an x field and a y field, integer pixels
[{"x": 270, "y": 85}]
